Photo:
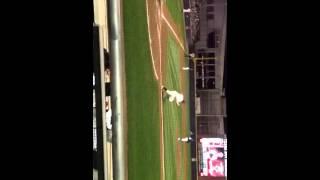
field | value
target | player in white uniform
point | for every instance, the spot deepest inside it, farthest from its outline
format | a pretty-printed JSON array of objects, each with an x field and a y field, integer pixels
[
  {"x": 108, "y": 119},
  {"x": 185, "y": 139},
  {"x": 108, "y": 113},
  {"x": 174, "y": 95}
]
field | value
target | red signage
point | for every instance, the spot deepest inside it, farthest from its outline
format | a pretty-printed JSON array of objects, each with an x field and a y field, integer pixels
[{"x": 212, "y": 157}]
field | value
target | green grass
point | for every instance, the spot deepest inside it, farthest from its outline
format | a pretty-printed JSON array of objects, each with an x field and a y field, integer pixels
[
  {"x": 142, "y": 96},
  {"x": 172, "y": 113},
  {"x": 143, "y": 103},
  {"x": 175, "y": 8},
  {"x": 176, "y": 11},
  {"x": 173, "y": 116}
]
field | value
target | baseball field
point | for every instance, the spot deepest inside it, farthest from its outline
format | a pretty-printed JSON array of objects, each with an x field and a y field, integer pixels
[{"x": 154, "y": 56}]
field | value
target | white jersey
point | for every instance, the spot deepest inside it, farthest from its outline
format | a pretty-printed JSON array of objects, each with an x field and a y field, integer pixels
[
  {"x": 185, "y": 139},
  {"x": 107, "y": 76},
  {"x": 94, "y": 80},
  {"x": 174, "y": 95},
  {"x": 108, "y": 119}
]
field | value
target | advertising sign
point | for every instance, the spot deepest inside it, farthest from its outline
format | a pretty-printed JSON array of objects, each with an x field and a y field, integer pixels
[{"x": 212, "y": 157}]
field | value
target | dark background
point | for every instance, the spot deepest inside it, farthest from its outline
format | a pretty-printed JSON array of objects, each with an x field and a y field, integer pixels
[{"x": 47, "y": 79}]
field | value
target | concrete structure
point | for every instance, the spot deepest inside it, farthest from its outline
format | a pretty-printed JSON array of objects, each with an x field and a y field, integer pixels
[
  {"x": 209, "y": 70},
  {"x": 100, "y": 19},
  {"x": 209, "y": 47},
  {"x": 213, "y": 15}
]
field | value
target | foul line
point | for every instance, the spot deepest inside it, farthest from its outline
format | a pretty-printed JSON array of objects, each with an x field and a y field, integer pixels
[
  {"x": 161, "y": 108},
  {"x": 150, "y": 42},
  {"x": 170, "y": 27}
]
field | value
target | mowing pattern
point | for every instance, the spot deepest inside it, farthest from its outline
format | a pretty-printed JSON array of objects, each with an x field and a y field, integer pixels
[
  {"x": 142, "y": 96},
  {"x": 176, "y": 8},
  {"x": 143, "y": 105},
  {"x": 172, "y": 116}
]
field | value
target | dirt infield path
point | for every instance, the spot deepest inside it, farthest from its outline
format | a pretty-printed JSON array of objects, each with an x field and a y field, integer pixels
[
  {"x": 181, "y": 148},
  {"x": 160, "y": 24},
  {"x": 163, "y": 44},
  {"x": 157, "y": 41},
  {"x": 154, "y": 23},
  {"x": 185, "y": 132},
  {"x": 158, "y": 17},
  {"x": 166, "y": 17}
]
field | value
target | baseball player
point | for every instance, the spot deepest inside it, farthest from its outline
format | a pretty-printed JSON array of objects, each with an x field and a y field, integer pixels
[
  {"x": 185, "y": 139},
  {"x": 174, "y": 95}
]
